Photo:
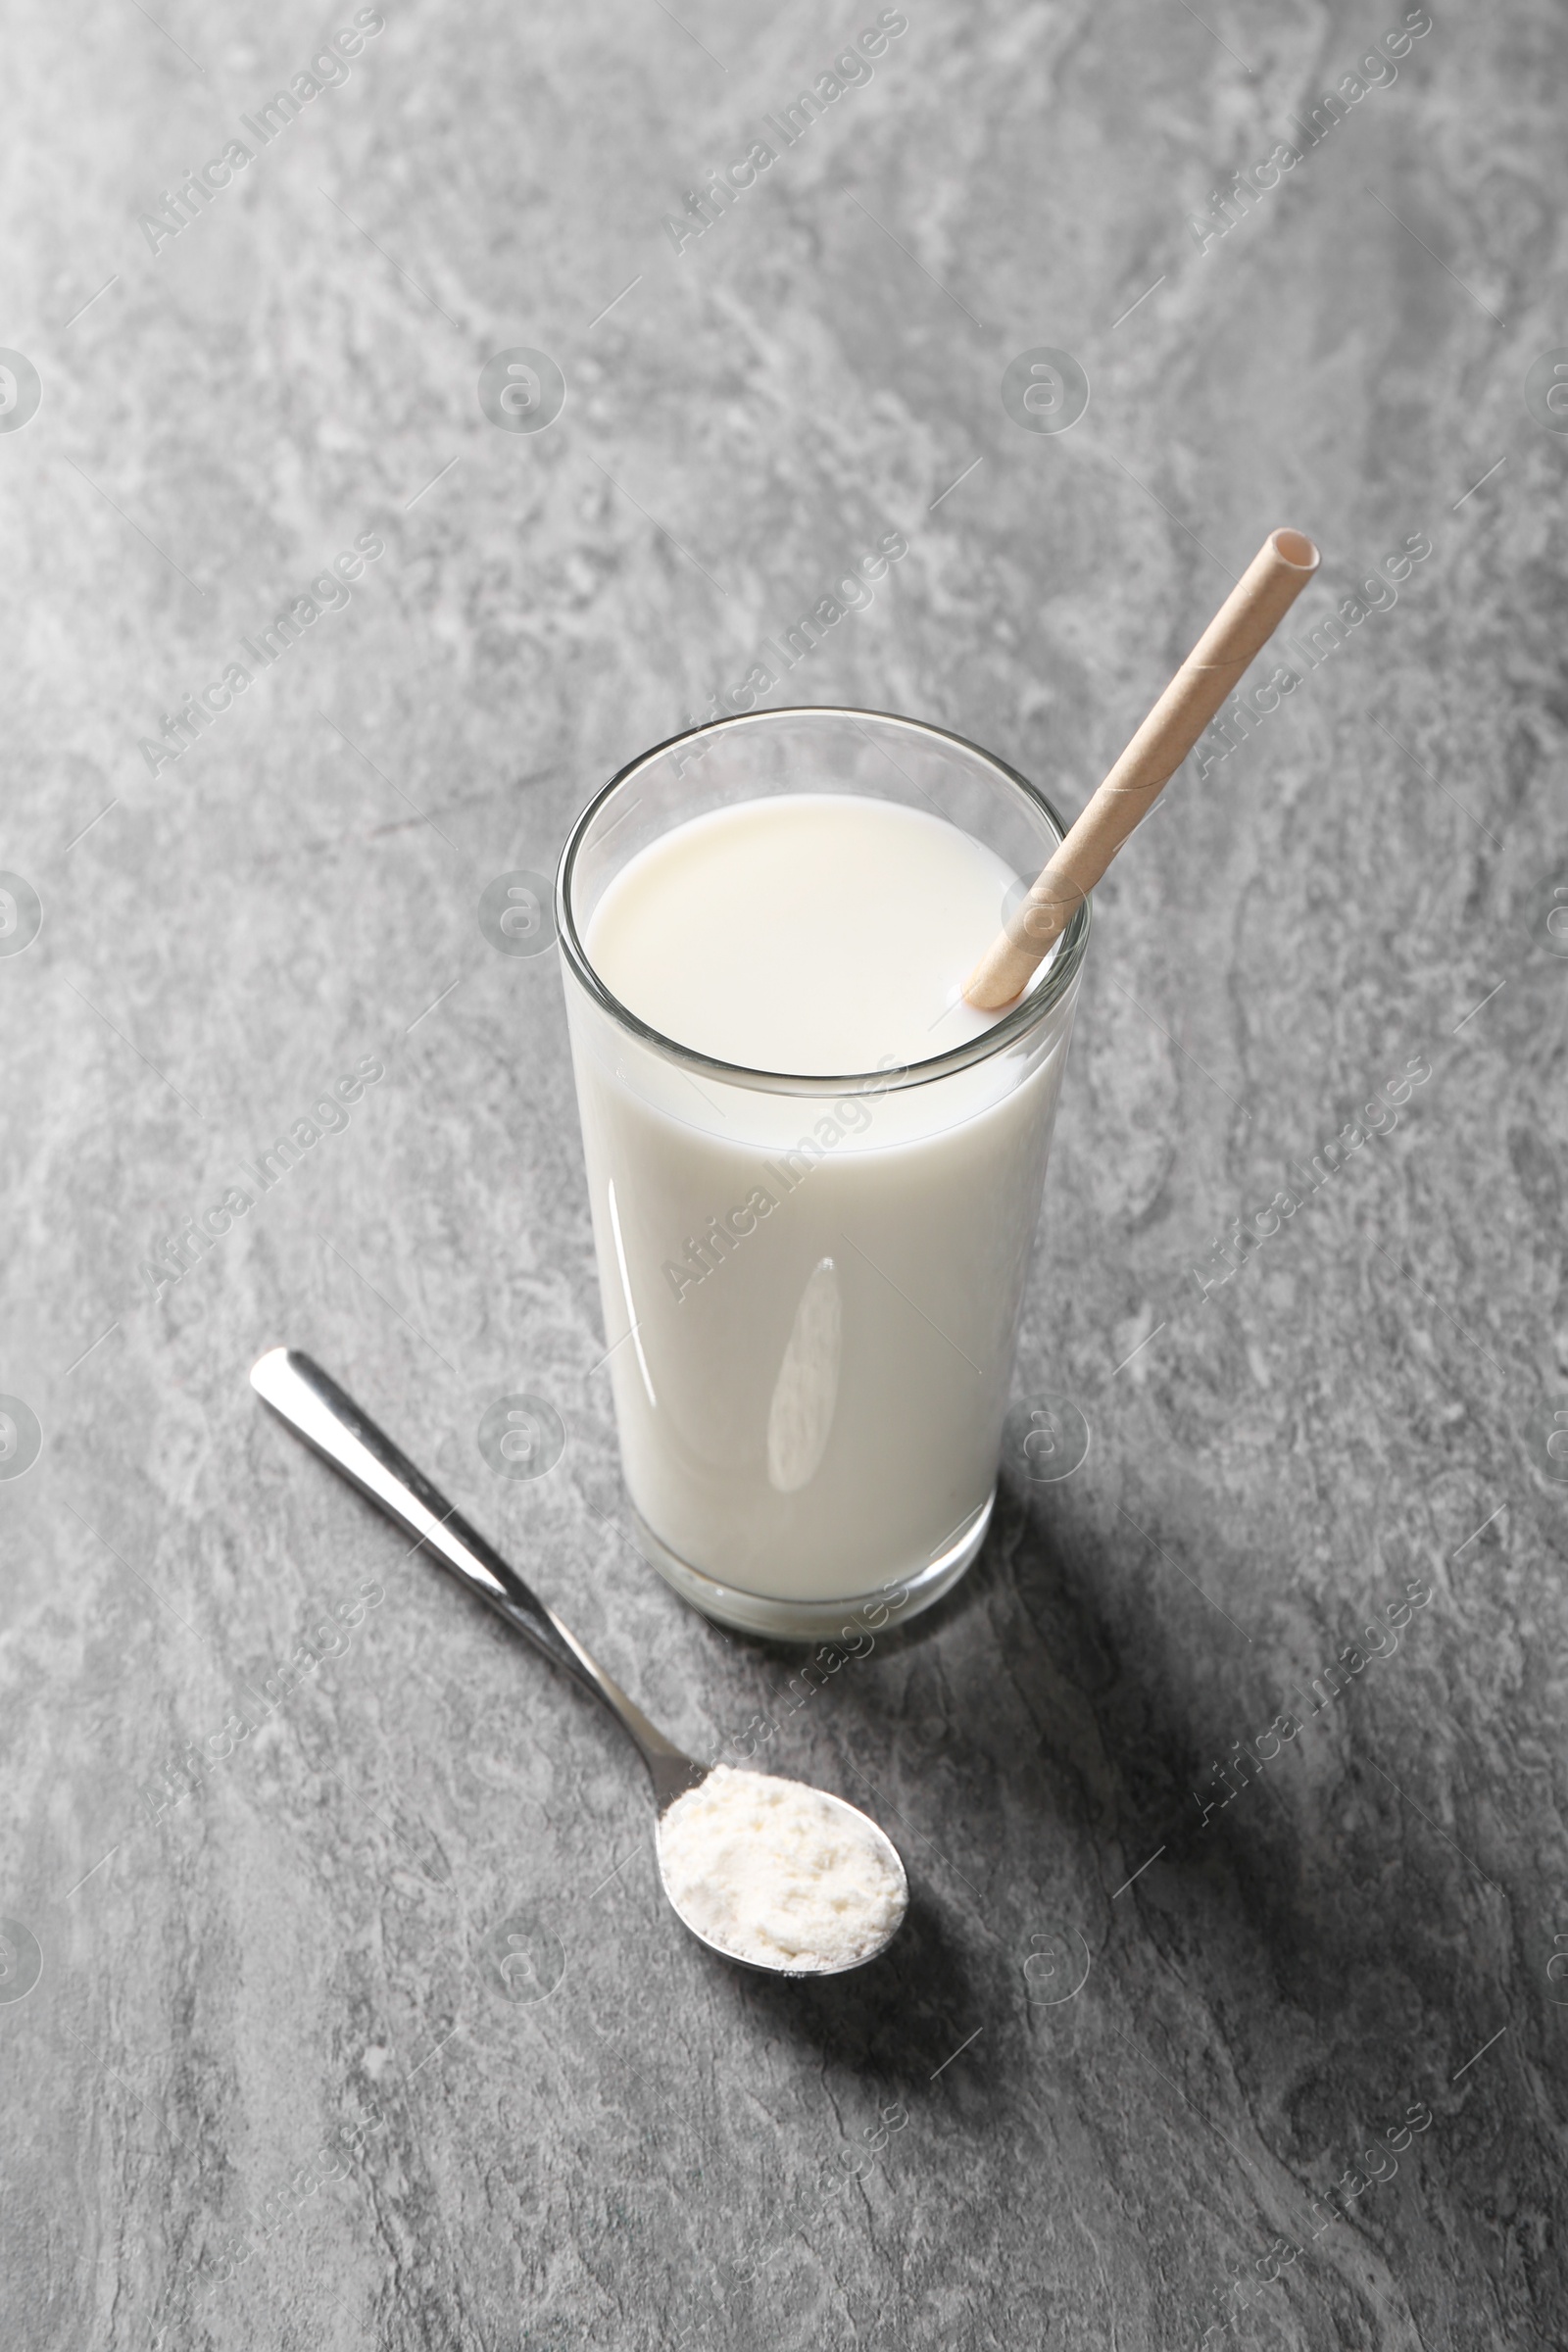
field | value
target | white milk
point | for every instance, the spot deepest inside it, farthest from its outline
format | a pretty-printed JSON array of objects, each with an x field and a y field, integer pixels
[{"x": 811, "y": 1303}]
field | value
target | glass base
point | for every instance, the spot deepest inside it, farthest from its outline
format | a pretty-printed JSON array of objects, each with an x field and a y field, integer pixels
[{"x": 891, "y": 1604}]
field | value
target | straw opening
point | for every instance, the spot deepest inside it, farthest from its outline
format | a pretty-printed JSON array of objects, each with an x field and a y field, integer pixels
[{"x": 1297, "y": 550}]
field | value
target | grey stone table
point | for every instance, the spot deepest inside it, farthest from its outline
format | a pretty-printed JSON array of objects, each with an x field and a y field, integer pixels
[{"x": 339, "y": 2006}]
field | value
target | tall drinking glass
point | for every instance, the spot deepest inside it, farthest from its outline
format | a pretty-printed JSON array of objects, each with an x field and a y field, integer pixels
[{"x": 812, "y": 1282}]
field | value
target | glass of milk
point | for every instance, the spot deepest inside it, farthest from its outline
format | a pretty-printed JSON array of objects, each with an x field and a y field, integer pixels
[{"x": 814, "y": 1172}]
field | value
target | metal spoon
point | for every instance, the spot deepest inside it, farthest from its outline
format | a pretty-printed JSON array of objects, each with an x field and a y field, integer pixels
[{"x": 317, "y": 1411}]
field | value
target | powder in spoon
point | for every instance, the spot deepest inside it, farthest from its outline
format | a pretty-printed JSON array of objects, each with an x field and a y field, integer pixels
[{"x": 779, "y": 1874}]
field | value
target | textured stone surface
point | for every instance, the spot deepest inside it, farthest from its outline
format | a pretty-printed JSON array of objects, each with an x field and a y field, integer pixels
[{"x": 1101, "y": 2099}]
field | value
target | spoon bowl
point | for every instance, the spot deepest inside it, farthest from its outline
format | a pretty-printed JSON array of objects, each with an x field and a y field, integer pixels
[
  {"x": 333, "y": 1426},
  {"x": 891, "y": 1858}
]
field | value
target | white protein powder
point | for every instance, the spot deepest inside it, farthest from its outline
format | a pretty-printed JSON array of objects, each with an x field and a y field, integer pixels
[{"x": 775, "y": 1872}]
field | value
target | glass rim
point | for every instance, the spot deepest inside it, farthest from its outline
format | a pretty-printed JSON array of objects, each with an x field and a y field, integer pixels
[{"x": 1026, "y": 1014}]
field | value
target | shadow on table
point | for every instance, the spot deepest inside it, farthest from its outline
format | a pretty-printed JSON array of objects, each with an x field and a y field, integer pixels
[
  {"x": 1123, "y": 1693},
  {"x": 1050, "y": 1668},
  {"x": 1049, "y": 1708},
  {"x": 892, "y": 2020},
  {"x": 1128, "y": 1705}
]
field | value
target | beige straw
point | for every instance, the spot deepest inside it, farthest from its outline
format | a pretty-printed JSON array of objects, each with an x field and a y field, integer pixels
[{"x": 1239, "y": 630}]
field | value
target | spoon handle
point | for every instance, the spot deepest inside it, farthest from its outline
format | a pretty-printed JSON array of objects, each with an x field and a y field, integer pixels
[{"x": 330, "y": 1421}]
